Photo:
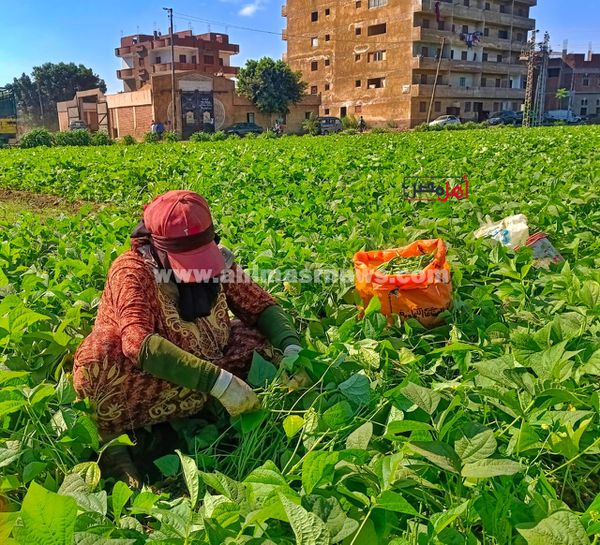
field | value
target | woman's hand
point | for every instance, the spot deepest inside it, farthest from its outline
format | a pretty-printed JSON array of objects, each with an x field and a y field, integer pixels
[{"x": 234, "y": 394}]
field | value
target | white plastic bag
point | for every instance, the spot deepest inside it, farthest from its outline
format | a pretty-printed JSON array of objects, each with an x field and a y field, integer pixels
[{"x": 512, "y": 231}]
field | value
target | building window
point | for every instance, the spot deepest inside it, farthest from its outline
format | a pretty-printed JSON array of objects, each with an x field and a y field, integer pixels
[
  {"x": 208, "y": 59},
  {"x": 358, "y": 31},
  {"x": 583, "y": 111},
  {"x": 425, "y": 23},
  {"x": 314, "y": 65},
  {"x": 158, "y": 60},
  {"x": 376, "y": 83},
  {"x": 327, "y": 37},
  {"x": 553, "y": 72},
  {"x": 326, "y": 111},
  {"x": 314, "y": 16},
  {"x": 437, "y": 107},
  {"x": 486, "y": 31},
  {"x": 498, "y": 82},
  {"x": 499, "y": 58},
  {"x": 423, "y": 79},
  {"x": 503, "y": 34},
  {"x": 314, "y": 41},
  {"x": 343, "y": 111},
  {"x": 307, "y": 115},
  {"x": 484, "y": 82},
  {"x": 327, "y": 61},
  {"x": 195, "y": 59},
  {"x": 467, "y": 107},
  {"x": 586, "y": 81},
  {"x": 475, "y": 56},
  {"x": 465, "y": 29},
  {"x": 357, "y": 83},
  {"x": 484, "y": 57},
  {"x": 488, "y": 7},
  {"x": 452, "y": 53},
  {"x": 377, "y": 56},
  {"x": 463, "y": 56},
  {"x": 463, "y": 82},
  {"x": 424, "y": 51},
  {"x": 327, "y": 12},
  {"x": 502, "y": 10},
  {"x": 377, "y": 3},
  {"x": 358, "y": 4},
  {"x": 377, "y": 30},
  {"x": 357, "y": 57},
  {"x": 584, "y": 101},
  {"x": 441, "y": 25},
  {"x": 182, "y": 58},
  {"x": 467, "y": 3},
  {"x": 358, "y": 109},
  {"x": 327, "y": 87},
  {"x": 422, "y": 107},
  {"x": 250, "y": 117},
  {"x": 314, "y": 90}
]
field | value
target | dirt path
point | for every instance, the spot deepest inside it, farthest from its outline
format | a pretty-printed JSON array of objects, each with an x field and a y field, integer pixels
[{"x": 13, "y": 203}]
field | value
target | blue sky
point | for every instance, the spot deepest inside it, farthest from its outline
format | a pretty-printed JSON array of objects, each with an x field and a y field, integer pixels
[{"x": 36, "y": 31}]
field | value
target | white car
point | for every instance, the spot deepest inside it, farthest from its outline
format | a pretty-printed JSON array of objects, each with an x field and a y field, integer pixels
[{"x": 444, "y": 120}]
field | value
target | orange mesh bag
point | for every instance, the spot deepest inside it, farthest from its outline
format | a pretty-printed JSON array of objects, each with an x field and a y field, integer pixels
[{"x": 420, "y": 295}]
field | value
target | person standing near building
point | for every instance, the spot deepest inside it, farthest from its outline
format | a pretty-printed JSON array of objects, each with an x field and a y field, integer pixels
[
  {"x": 160, "y": 129},
  {"x": 362, "y": 126}
]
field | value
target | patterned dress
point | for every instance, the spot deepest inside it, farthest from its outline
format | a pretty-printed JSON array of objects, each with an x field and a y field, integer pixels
[{"x": 133, "y": 306}]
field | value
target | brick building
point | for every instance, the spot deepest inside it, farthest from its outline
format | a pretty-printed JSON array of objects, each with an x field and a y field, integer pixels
[
  {"x": 580, "y": 75},
  {"x": 144, "y": 55},
  {"x": 379, "y": 58},
  {"x": 88, "y": 106}
]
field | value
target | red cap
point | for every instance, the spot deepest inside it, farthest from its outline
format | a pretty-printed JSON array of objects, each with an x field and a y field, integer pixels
[{"x": 172, "y": 218}]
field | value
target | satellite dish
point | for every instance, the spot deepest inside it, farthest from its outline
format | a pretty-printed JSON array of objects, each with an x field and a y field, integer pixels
[{"x": 359, "y": 49}]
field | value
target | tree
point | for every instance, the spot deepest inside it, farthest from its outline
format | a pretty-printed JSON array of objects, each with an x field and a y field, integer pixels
[
  {"x": 561, "y": 94},
  {"x": 270, "y": 85},
  {"x": 48, "y": 84}
]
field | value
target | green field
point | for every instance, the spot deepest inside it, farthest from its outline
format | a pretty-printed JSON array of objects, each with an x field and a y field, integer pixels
[{"x": 482, "y": 431}]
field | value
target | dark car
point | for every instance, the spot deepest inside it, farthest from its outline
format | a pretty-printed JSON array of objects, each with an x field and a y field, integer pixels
[
  {"x": 503, "y": 118},
  {"x": 242, "y": 129},
  {"x": 329, "y": 124}
]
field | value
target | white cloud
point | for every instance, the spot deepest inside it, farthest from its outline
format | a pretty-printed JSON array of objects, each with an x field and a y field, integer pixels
[{"x": 250, "y": 9}]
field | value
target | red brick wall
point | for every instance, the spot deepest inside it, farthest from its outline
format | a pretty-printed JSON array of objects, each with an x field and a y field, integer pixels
[{"x": 132, "y": 120}]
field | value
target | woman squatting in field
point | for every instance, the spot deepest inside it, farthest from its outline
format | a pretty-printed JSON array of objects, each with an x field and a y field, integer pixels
[{"x": 163, "y": 340}]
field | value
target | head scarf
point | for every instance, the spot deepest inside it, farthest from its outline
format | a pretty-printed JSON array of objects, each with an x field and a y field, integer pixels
[{"x": 196, "y": 299}]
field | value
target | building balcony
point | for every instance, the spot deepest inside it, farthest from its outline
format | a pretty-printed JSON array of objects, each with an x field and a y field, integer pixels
[
  {"x": 165, "y": 67},
  {"x": 284, "y": 10},
  {"x": 482, "y": 93},
  {"x": 433, "y": 35},
  {"x": 284, "y": 34},
  {"x": 457, "y": 65}
]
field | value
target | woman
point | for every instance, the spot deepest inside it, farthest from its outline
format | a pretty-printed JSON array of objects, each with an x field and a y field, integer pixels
[{"x": 163, "y": 340}]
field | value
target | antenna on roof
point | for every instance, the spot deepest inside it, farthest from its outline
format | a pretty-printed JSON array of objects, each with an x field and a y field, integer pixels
[
  {"x": 590, "y": 49},
  {"x": 190, "y": 26}
]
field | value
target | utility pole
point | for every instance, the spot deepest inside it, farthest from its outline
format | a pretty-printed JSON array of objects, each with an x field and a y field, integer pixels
[
  {"x": 540, "y": 95},
  {"x": 529, "y": 56},
  {"x": 437, "y": 73},
  {"x": 171, "y": 34}
]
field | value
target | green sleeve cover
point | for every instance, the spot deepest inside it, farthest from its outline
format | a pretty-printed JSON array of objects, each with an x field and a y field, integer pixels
[
  {"x": 167, "y": 361},
  {"x": 277, "y": 327}
]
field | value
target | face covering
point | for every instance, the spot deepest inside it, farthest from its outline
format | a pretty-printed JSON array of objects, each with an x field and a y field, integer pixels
[{"x": 196, "y": 299}]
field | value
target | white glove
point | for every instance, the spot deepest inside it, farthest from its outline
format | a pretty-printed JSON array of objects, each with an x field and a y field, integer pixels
[
  {"x": 234, "y": 394},
  {"x": 291, "y": 350}
]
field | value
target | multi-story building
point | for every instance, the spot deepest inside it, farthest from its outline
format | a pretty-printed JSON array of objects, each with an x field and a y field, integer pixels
[
  {"x": 144, "y": 55},
  {"x": 402, "y": 62},
  {"x": 580, "y": 76}
]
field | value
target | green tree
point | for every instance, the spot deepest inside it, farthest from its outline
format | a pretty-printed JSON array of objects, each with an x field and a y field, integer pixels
[
  {"x": 270, "y": 85},
  {"x": 38, "y": 93},
  {"x": 561, "y": 95}
]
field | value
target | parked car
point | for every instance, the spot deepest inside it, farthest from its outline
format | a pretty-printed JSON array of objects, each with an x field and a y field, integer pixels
[
  {"x": 242, "y": 129},
  {"x": 561, "y": 115},
  {"x": 77, "y": 125},
  {"x": 329, "y": 124},
  {"x": 444, "y": 120},
  {"x": 504, "y": 118}
]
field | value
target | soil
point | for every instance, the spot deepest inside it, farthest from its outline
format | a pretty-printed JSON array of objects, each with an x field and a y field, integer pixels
[{"x": 13, "y": 203}]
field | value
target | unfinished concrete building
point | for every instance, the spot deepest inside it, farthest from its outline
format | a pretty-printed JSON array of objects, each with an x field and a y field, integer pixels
[{"x": 402, "y": 62}]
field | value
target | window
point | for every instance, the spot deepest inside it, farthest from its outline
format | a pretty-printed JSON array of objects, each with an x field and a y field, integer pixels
[
  {"x": 158, "y": 60},
  {"x": 358, "y": 109},
  {"x": 343, "y": 111},
  {"x": 503, "y": 34},
  {"x": 437, "y": 107},
  {"x": 502, "y": 10},
  {"x": 209, "y": 59},
  {"x": 357, "y": 57},
  {"x": 377, "y": 56},
  {"x": 221, "y": 61},
  {"x": 327, "y": 12},
  {"x": 465, "y": 29},
  {"x": 425, "y": 23},
  {"x": 376, "y": 83},
  {"x": 463, "y": 82},
  {"x": 195, "y": 59},
  {"x": 327, "y": 86},
  {"x": 498, "y": 82},
  {"x": 486, "y": 31},
  {"x": 583, "y": 111},
  {"x": 314, "y": 16},
  {"x": 327, "y": 61},
  {"x": 423, "y": 79},
  {"x": 422, "y": 107},
  {"x": 182, "y": 58},
  {"x": 326, "y": 111},
  {"x": 358, "y": 4},
  {"x": 441, "y": 25},
  {"x": 452, "y": 53},
  {"x": 357, "y": 83},
  {"x": 250, "y": 117},
  {"x": 467, "y": 107},
  {"x": 463, "y": 56},
  {"x": 314, "y": 90},
  {"x": 475, "y": 56},
  {"x": 377, "y": 30},
  {"x": 553, "y": 72},
  {"x": 377, "y": 3},
  {"x": 584, "y": 101},
  {"x": 484, "y": 82},
  {"x": 314, "y": 42},
  {"x": 488, "y": 7},
  {"x": 424, "y": 51},
  {"x": 586, "y": 80},
  {"x": 314, "y": 65},
  {"x": 484, "y": 57},
  {"x": 358, "y": 31},
  {"x": 327, "y": 37},
  {"x": 307, "y": 115},
  {"x": 467, "y": 2},
  {"x": 499, "y": 58}
]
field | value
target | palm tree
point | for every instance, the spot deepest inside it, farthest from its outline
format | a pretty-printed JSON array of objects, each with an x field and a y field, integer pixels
[{"x": 561, "y": 94}]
